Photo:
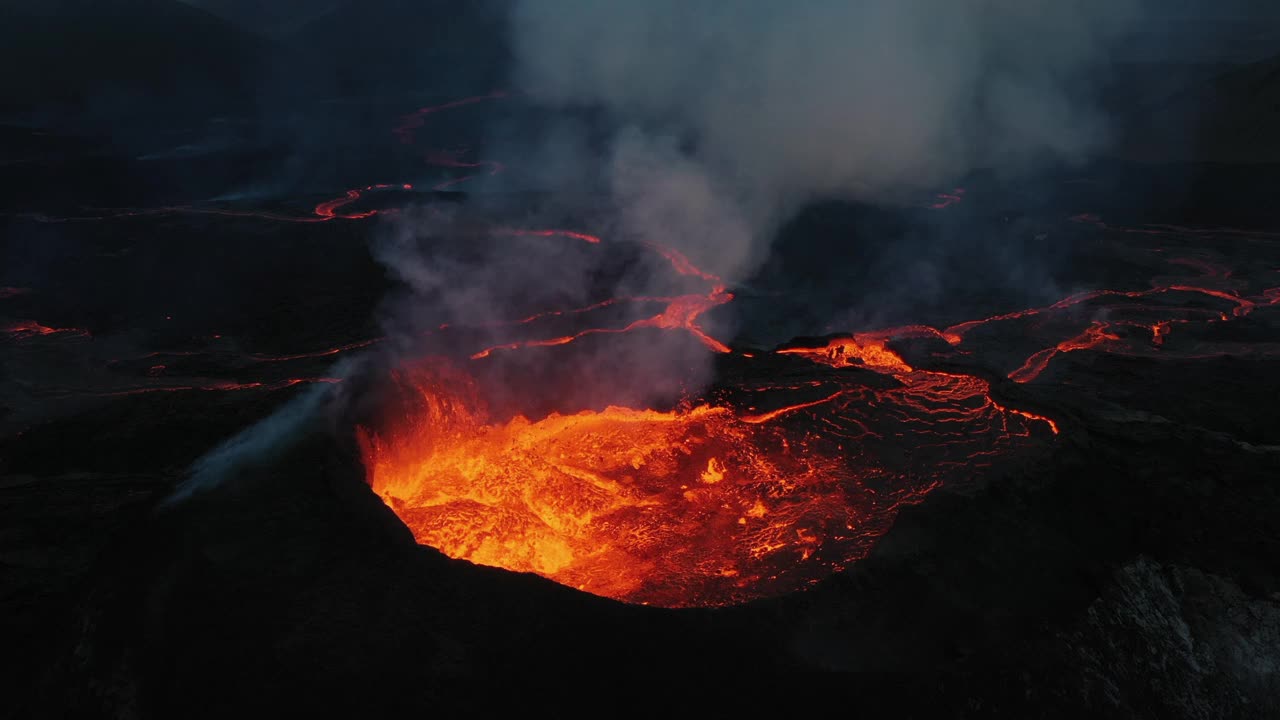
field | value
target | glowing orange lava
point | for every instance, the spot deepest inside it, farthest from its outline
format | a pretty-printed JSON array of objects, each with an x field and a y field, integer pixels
[
  {"x": 24, "y": 329},
  {"x": 712, "y": 503},
  {"x": 716, "y": 502},
  {"x": 681, "y": 312},
  {"x": 1093, "y": 336},
  {"x": 755, "y": 490},
  {"x": 740, "y": 493},
  {"x": 410, "y": 123}
]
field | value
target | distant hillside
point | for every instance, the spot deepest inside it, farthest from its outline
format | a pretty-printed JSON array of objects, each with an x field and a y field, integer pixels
[
  {"x": 1233, "y": 117},
  {"x": 1212, "y": 35},
  {"x": 118, "y": 58},
  {"x": 267, "y": 17},
  {"x": 371, "y": 47}
]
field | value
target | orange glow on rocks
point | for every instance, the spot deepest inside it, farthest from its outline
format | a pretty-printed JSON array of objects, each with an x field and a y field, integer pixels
[
  {"x": 707, "y": 504},
  {"x": 865, "y": 350},
  {"x": 753, "y": 490},
  {"x": 1093, "y": 336},
  {"x": 24, "y": 329},
  {"x": 757, "y": 491},
  {"x": 681, "y": 311}
]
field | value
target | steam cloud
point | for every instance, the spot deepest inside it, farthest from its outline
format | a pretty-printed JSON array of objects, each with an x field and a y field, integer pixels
[
  {"x": 261, "y": 442},
  {"x": 726, "y": 117},
  {"x": 743, "y": 110}
]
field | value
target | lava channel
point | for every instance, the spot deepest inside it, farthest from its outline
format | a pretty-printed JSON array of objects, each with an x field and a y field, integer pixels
[
  {"x": 754, "y": 490},
  {"x": 709, "y": 504},
  {"x": 717, "y": 502}
]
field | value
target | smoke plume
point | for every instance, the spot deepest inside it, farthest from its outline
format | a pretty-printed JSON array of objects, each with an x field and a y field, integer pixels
[
  {"x": 725, "y": 118},
  {"x": 263, "y": 441},
  {"x": 752, "y": 108}
]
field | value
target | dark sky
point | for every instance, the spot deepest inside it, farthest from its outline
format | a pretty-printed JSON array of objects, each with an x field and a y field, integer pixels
[
  {"x": 1244, "y": 9},
  {"x": 267, "y": 16},
  {"x": 283, "y": 11},
  {"x": 1207, "y": 31},
  {"x": 1173, "y": 30}
]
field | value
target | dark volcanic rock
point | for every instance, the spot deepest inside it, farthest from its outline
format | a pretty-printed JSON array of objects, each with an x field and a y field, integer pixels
[
  {"x": 1201, "y": 646},
  {"x": 1130, "y": 570},
  {"x": 1231, "y": 117},
  {"x": 1131, "y": 573}
]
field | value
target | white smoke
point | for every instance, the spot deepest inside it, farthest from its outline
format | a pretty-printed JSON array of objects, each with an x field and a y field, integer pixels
[
  {"x": 263, "y": 441},
  {"x": 734, "y": 113},
  {"x": 723, "y": 118}
]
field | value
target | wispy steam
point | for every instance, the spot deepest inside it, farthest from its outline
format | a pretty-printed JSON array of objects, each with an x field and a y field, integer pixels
[
  {"x": 261, "y": 442},
  {"x": 758, "y": 106},
  {"x": 724, "y": 118}
]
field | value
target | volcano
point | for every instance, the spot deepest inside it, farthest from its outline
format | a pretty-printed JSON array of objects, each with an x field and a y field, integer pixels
[
  {"x": 756, "y": 489},
  {"x": 989, "y": 476},
  {"x": 358, "y": 423}
]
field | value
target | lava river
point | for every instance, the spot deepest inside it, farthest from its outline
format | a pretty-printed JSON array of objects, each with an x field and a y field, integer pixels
[{"x": 750, "y": 490}]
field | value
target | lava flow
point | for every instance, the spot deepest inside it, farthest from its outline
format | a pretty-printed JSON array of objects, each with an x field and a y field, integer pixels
[
  {"x": 754, "y": 488},
  {"x": 451, "y": 160},
  {"x": 681, "y": 312},
  {"x": 407, "y": 129},
  {"x": 24, "y": 329},
  {"x": 324, "y": 211},
  {"x": 761, "y": 487},
  {"x": 410, "y": 123},
  {"x": 709, "y": 504},
  {"x": 751, "y": 491}
]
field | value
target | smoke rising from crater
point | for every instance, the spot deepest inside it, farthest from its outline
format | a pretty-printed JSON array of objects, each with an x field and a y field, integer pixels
[
  {"x": 724, "y": 118},
  {"x": 760, "y": 106}
]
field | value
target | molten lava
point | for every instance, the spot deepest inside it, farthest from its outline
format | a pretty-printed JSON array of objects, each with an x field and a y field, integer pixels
[
  {"x": 743, "y": 492},
  {"x": 681, "y": 312},
  {"x": 410, "y": 123},
  {"x": 24, "y": 329},
  {"x": 712, "y": 503},
  {"x": 757, "y": 490}
]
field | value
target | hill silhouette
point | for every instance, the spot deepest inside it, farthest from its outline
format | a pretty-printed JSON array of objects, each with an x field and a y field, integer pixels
[
  {"x": 90, "y": 60},
  {"x": 377, "y": 47},
  {"x": 1231, "y": 117}
]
